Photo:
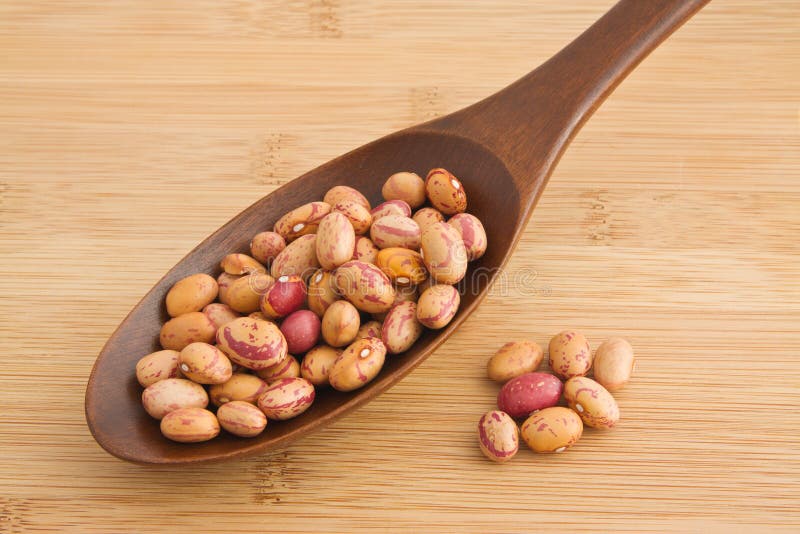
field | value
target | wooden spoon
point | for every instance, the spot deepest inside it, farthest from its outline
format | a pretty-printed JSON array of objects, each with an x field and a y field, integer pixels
[{"x": 503, "y": 149}]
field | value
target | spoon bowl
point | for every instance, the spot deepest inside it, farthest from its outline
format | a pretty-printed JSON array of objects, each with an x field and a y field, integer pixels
[{"x": 503, "y": 149}]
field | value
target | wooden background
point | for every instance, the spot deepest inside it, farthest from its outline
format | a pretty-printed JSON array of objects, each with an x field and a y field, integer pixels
[{"x": 130, "y": 130}]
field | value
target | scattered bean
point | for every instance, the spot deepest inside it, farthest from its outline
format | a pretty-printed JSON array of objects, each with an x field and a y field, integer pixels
[
  {"x": 514, "y": 359},
  {"x": 498, "y": 436},
  {"x": 554, "y": 429},
  {"x": 527, "y": 393},
  {"x": 570, "y": 354},
  {"x": 595, "y": 405},
  {"x": 613, "y": 363}
]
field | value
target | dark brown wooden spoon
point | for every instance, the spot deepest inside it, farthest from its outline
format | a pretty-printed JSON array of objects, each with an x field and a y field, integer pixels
[{"x": 503, "y": 149}]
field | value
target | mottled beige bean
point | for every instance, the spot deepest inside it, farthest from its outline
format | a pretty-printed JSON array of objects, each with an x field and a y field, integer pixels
[
  {"x": 437, "y": 305},
  {"x": 172, "y": 394},
  {"x": 242, "y": 419},
  {"x": 321, "y": 292},
  {"x": 360, "y": 218},
  {"x": 391, "y": 207},
  {"x": 514, "y": 359},
  {"x": 184, "y": 329},
  {"x": 341, "y": 193},
  {"x": 240, "y": 387},
  {"x": 157, "y": 366},
  {"x": 205, "y": 364},
  {"x": 444, "y": 253},
  {"x": 191, "y": 294},
  {"x": 365, "y": 250},
  {"x": 570, "y": 354},
  {"x": 340, "y": 324},
  {"x": 220, "y": 314},
  {"x": 370, "y": 329},
  {"x": 405, "y": 186},
  {"x": 252, "y": 343},
  {"x": 613, "y": 363},
  {"x": 554, "y": 429},
  {"x": 190, "y": 425},
  {"x": 404, "y": 267},
  {"x": 427, "y": 216},
  {"x": 238, "y": 264},
  {"x": 317, "y": 364},
  {"x": 445, "y": 192},
  {"x": 302, "y": 220},
  {"x": 401, "y": 329},
  {"x": 593, "y": 403},
  {"x": 288, "y": 368},
  {"x": 336, "y": 241},
  {"x": 265, "y": 246},
  {"x": 243, "y": 294},
  {"x": 498, "y": 436},
  {"x": 365, "y": 286},
  {"x": 286, "y": 398},
  {"x": 299, "y": 258},
  {"x": 472, "y": 234},
  {"x": 358, "y": 364},
  {"x": 395, "y": 231}
]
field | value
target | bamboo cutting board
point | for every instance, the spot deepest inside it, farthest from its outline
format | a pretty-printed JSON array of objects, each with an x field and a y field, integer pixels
[{"x": 131, "y": 130}]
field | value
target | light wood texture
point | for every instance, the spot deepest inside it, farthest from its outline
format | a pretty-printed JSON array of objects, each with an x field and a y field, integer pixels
[{"x": 130, "y": 131}]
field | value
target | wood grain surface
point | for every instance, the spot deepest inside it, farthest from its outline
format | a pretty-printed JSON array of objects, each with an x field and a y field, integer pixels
[{"x": 131, "y": 130}]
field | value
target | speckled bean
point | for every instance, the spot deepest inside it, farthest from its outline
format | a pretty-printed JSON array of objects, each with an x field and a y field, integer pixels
[
  {"x": 527, "y": 393},
  {"x": 238, "y": 264},
  {"x": 391, "y": 207},
  {"x": 191, "y": 294},
  {"x": 401, "y": 329},
  {"x": 444, "y": 253},
  {"x": 190, "y": 425},
  {"x": 341, "y": 193},
  {"x": 286, "y": 398},
  {"x": 472, "y": 234},
  {"x": 340, "y": 324},
  {"x": 406, "y": 186},
  {"x": 445, "y": 192},
  {"x": 570, "y": 354},
  {"x": 220, "y": 314},
  {"x": 437, "y": 305},
  {"x": 395, "y": 231},
  {"x": 240, "y": 387},
  {"x": 425, "y": 217},
  {"x": 265, "y": 246},
  {"x": 288, "y": 368},
  {"x": 185, "y": 329},
  {"x": 403, "y": 266},
  {"x": 358, "y": 364},
  {"x": 360, "y": 218},
  {"x": 157, "y": 366},
  {"x": 553, "y": 429},
  {"x": 595, "y": 405},
  {"x": 302, "y": 220},
  {"x": 365, "y": 250},
  {"x": 365, "y": 286},
  {"x": 370, "y": 329},
  {"x": 242, "y": 419},
  {"x": 336, "y": 240},
  {"x": 171, "y": 394},
  {"x": 285, "y": 296},
  {"x": 252, "y": 343},
  {"x": 244, "y": 293},
  {"x": 317, "y": 364},
  {"x": 613, "y": 363},
  {"x": 514, "y": 359},
  {"x": 498, "y": 436},
  {"x": 205, "y": 364},
  {"x": 299, "y": 257},
  {"x": 321, "y": 292}
]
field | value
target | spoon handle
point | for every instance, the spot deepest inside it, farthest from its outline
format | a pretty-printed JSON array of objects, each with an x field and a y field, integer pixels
[{"x": 530, "y": 123}]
